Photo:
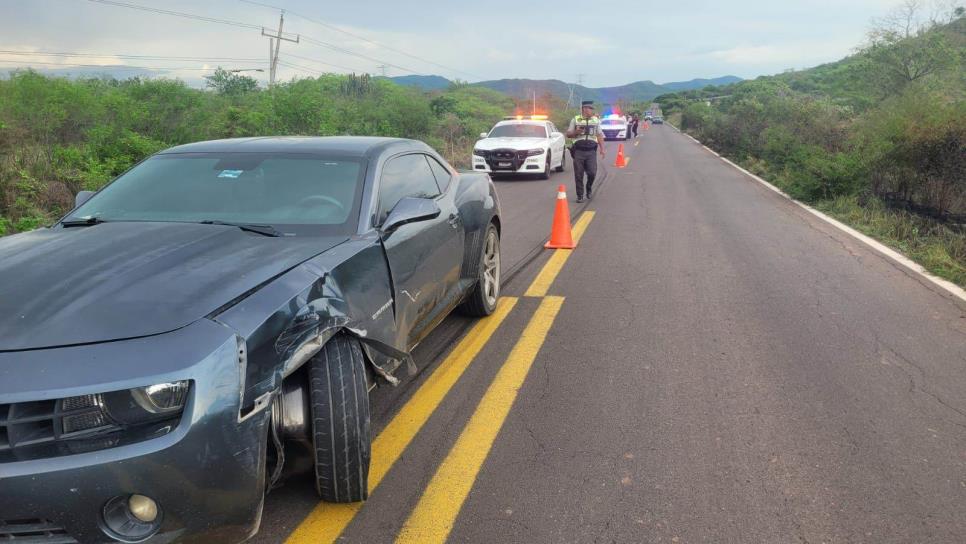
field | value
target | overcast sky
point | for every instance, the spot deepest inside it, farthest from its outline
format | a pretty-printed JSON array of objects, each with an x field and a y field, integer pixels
[{"x": 612, "y": 43}]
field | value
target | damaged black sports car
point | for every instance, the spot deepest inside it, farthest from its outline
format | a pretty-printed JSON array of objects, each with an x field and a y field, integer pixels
[{"x": 222, "y": 304}]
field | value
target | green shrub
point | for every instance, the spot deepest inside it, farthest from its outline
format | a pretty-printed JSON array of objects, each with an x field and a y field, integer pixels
[{"x": 60, "y": 136}]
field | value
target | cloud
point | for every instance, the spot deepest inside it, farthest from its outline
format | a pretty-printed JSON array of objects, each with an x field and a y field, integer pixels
[{"x": 787, "y": 53}]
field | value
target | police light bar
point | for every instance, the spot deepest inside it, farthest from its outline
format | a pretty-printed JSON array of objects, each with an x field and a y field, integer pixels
[{"x": 525, "y": 117}]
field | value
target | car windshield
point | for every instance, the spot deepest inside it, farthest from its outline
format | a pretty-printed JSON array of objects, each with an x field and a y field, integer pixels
[
  {"x": 305, "y": 193},
  {"x": 612, "y": 122},
  {"x": 518, "y": 131}
]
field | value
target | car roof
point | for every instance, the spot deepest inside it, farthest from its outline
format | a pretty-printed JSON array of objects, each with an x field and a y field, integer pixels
[{"x": 358, "y": 146}]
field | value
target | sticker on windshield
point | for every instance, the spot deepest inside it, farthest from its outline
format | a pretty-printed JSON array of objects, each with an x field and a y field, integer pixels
[{"x": 231, "y": 174}]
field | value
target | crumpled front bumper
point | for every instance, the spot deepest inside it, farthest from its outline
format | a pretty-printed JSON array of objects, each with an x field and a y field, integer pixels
[{"x": 207, "y": 474}]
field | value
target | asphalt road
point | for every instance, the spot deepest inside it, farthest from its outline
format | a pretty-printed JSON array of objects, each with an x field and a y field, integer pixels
[{"x": 711, "y": 364}]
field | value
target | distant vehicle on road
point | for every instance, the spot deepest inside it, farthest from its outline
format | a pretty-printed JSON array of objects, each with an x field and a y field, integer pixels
[
  {"x": 521, "y": 144},
  {"x": 657, "y": 120},
  {"x": 648, "y": 116},
  {"x": 615, "y": 127},
  {"x": 222, "y": 307}
]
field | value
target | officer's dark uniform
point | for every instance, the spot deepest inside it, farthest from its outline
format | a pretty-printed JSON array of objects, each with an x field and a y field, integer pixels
[{"x": 584, "y": 151}]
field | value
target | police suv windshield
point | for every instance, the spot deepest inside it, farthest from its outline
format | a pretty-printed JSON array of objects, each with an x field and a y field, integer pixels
[{"x": 518, "y": 131}]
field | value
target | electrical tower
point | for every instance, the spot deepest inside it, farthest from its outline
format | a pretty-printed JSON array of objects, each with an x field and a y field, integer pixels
[
  {"x": 573, "y": 88},
  {"x": 274, "y": 44}
]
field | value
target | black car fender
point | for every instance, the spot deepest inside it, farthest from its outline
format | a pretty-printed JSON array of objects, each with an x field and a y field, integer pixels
[{"x": 479, "y": 205}]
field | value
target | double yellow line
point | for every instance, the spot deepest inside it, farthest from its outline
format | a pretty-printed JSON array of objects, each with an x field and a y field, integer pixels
[{"x": 433, "y": 517}]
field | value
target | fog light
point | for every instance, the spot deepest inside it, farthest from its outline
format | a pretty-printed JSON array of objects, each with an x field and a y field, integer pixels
[
  {"x": 132, "y": 518},
  {"x": 143, "y": 508}
]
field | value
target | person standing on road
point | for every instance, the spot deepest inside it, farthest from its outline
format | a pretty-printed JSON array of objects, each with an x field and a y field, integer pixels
[{"x": 587, "y": 141}]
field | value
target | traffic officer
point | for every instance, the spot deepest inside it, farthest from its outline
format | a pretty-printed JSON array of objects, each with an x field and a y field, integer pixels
[{"x": 584, "y": 130}]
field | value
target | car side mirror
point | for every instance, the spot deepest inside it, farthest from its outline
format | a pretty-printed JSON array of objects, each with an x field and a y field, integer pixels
[
  {"x": 410, "y": 210},
  {"x": 82, "y": 197},
  {"x": 483, "y": 135}
]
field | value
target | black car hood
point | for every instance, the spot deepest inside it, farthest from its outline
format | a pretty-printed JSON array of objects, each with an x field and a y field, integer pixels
[{"x": 114, "y": 281}]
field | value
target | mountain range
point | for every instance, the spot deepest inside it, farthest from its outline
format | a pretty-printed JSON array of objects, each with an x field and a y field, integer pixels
[{"x": 637, "y": 91}]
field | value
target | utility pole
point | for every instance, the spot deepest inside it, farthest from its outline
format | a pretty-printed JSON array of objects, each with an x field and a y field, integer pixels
[
  {"x": 382, "y": 68},
  {"x": 573, "y": 87},
  {"x": 274, "y": 44},
  {"x": 580, "y": 83}
]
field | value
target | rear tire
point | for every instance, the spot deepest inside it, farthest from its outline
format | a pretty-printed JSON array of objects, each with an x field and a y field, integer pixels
[
  {"x": 482, "y": 301},
  {"x": 340, "y": 421}
]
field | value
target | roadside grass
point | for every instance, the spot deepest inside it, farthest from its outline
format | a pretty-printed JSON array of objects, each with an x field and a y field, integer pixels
[
  {"x": 674, "y": 118},
  {"x": 938, "y": 248},
  {"x": 941, "y": 250}
]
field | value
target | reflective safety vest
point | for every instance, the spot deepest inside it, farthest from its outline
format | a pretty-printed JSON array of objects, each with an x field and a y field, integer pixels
[{"x": 588, "y": 139}]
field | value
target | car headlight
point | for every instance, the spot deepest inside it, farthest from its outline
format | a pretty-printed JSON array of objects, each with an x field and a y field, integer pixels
[
  {"x": 535, "y": 152},
  {"x": 479, "y": 153},
  {"x": 128, "y": 407}
]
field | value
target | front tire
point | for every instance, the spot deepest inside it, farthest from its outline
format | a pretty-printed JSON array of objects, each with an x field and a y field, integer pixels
[
  {"x": 340, "y": 421},
  {"x": 546, "y": 168},
  {"x": 482, "y": 301}
]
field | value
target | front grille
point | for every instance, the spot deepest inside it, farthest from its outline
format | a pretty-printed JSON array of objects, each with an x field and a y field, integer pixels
[
  {"x": 514, "y": 157},
  {"x": 31, "y": 423},
  {"x": 48, "y": 428},
  {"x": 33, "y": 531},
  {"x": 611, "y": 133}
]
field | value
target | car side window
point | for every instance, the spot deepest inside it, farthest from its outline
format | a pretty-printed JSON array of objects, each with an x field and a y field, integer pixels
[
  {"x": 408, "y": 175},
  {"x": 443, "y": 175}
]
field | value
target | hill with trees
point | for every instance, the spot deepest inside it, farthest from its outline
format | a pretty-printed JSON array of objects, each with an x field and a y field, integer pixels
[
  {"x": 878, "y": 139},
  {"x": 638, "y": 91}
]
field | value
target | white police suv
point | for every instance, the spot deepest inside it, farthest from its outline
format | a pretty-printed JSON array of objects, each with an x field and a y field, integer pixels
[
  {"x": 615, "y": 127},
  {"x": 522, "y": 144}
]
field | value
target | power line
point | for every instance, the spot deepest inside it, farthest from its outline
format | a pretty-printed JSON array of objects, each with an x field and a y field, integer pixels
[
  {"x": 354, "y": 54},
  {"x": 363, "y": 38},
  {"x": 177, "y": 14},
  {"x": 126, "y": 56},
  {"x": 245, "y": 25},
  {"x": 293, "y": 55},
  {"x": 109, "y": 66},
  {"x": 300, "y": 67}
]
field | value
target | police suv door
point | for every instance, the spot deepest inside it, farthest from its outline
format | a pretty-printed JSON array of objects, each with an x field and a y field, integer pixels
[{"x": 558, "y": 144}]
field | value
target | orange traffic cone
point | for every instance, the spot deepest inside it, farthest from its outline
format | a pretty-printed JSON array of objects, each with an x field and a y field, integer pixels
[
  {"x": 646, "y": 125},
  {"x": 620, "y": 162},
  {"x": 560, "y": 235}
]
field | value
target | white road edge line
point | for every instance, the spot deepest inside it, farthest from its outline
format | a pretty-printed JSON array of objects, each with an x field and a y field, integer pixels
[{"x": 878, "y": 246}]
